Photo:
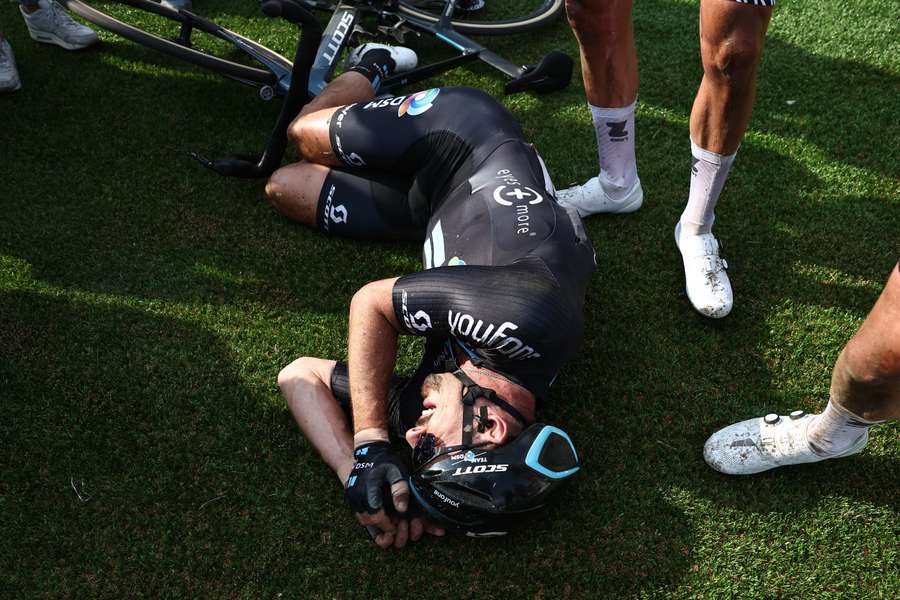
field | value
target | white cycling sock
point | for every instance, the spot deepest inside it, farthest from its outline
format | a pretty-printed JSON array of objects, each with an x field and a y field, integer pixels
[
  {"x": 836, "y": 429},
  {"x": 708, "y": 174},
  {"x": 615, "y": 145}
]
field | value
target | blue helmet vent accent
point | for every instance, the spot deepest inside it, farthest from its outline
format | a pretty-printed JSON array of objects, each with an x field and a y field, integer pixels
[{"x": 532, "y": 459}]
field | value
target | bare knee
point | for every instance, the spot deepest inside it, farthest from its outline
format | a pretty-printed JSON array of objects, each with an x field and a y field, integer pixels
[
  {"x": 277, "y": 189},
  {"x": 866, "y": 379},
  {"x": 299, "y": 133},
  {"x": 589, "y": 18},
  {"x": 578, "y": 15},
  {"x": 306, "y": 369},
  {"x": 733, "y": 59},
  {"x": 294, "y": 191},
  {"x": 870, "y": 365}
]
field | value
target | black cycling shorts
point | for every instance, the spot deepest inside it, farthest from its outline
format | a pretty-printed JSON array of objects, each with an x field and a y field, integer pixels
[
  {"x": 403, "y": 156},
  {"x": 369, "y": 205}
]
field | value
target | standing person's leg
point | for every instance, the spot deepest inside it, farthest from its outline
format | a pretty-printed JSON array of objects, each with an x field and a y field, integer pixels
[
  {"x": 610, "y": 72},
  {"x": 865, "y": 383},
  {"x": 48, "y": 22},
  {"x": 731, "y": 43},
  {"x": 9, "y": 74},
  {"x": 865, "y": 391}
]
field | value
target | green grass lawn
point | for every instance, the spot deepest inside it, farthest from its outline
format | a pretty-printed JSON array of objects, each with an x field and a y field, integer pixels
[{"x": 147, "y": 305}]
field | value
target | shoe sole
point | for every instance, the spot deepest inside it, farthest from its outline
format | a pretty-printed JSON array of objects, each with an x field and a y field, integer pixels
[
  {"x": 13, "y": 88},
  {"x": 50, "y": 38}
]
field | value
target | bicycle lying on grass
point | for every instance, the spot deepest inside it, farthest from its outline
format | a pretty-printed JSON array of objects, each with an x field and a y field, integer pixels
[
  {"x": 393, "y": 19},
  {"x": 317, "y": 52}
]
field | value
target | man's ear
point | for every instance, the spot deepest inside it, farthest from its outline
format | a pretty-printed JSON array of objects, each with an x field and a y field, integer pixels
[{"x": 497, "y": 432}]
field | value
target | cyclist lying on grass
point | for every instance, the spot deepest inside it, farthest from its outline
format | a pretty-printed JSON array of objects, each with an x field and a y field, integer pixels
[{"x": 500, "y": 304}]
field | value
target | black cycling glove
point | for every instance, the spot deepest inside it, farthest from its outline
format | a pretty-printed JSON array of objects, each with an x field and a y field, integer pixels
[{"x": 376, "y": 469}]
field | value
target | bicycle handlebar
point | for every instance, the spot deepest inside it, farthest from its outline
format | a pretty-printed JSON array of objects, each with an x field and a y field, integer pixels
[{"x": 253, "y": 167}]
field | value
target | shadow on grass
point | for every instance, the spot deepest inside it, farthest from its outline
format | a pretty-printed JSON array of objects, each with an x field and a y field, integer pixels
[
  {"x": 144, "y": 220},
  {"x": 130, "y": 446},
  {"x": 653, "y": 380},
  {"x": 134, "y": 448}
]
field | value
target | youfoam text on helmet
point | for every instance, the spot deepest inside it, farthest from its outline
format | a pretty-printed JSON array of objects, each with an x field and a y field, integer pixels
[
  {"x": 490, "y": 335},
  {"x": 443, "y": 498}
]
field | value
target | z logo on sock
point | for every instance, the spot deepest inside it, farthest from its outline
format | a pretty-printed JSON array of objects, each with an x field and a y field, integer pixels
[{"x": 617, "y": 131}]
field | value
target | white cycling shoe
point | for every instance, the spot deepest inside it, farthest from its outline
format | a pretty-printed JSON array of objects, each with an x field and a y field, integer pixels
[
  {"x": 9, "y": 75},
  {"x": 705, "y": 280},
  {"x": 404, "y": 58},
  {"x": 764, "y": 443},
  {"x": 51, "y": 24},
  {"x": 590, "y": 198}
]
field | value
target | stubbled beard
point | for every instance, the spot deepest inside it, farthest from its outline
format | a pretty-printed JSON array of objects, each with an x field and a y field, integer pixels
[{"x": 432, "y": 382}]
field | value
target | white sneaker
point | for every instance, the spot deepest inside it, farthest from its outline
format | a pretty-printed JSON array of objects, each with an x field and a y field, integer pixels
[
  {"x": 764, "y": 443},
  {"x": 468, "y": 6},
  {"x": 9, "y": 75},
  {"x": 405, "y": 59},
  {"x": 591, "y": 198},
  {"x": 705, "y": 279},
  {"x": 51, "y": 24},
  {"x": 177, "y": 4}
]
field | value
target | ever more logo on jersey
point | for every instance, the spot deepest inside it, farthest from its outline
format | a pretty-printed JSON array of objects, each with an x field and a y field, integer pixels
[
  {"x": 420, "y": 321},
  {"x": 333, "y": 214},
  {"x": 512, "y": 192}
]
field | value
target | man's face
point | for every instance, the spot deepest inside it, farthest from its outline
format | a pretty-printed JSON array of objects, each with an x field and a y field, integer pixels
[{"x": 442, "y": 411}]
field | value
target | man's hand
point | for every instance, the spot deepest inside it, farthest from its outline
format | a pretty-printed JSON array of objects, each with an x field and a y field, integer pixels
[
  {"x": 376, "y": 468},
  {"x": 416, "y": 528}
]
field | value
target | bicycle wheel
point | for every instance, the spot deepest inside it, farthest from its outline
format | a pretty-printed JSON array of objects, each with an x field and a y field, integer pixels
[
  {"x": 497, "y": 17},
  {"x": 153, "y": 20}
]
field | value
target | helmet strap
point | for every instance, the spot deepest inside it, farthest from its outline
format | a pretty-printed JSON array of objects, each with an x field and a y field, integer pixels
[{"x": 471, "y": 392}]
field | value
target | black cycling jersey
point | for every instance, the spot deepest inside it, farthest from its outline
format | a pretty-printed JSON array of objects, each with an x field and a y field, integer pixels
[{"x": 506, "y": 267}]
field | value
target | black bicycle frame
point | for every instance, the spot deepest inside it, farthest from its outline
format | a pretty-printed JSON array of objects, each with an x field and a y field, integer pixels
[{"x": 344, "y": 23}]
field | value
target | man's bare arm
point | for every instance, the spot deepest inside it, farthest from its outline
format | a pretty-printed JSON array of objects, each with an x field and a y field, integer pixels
[{"x": 372, "y": 354}]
